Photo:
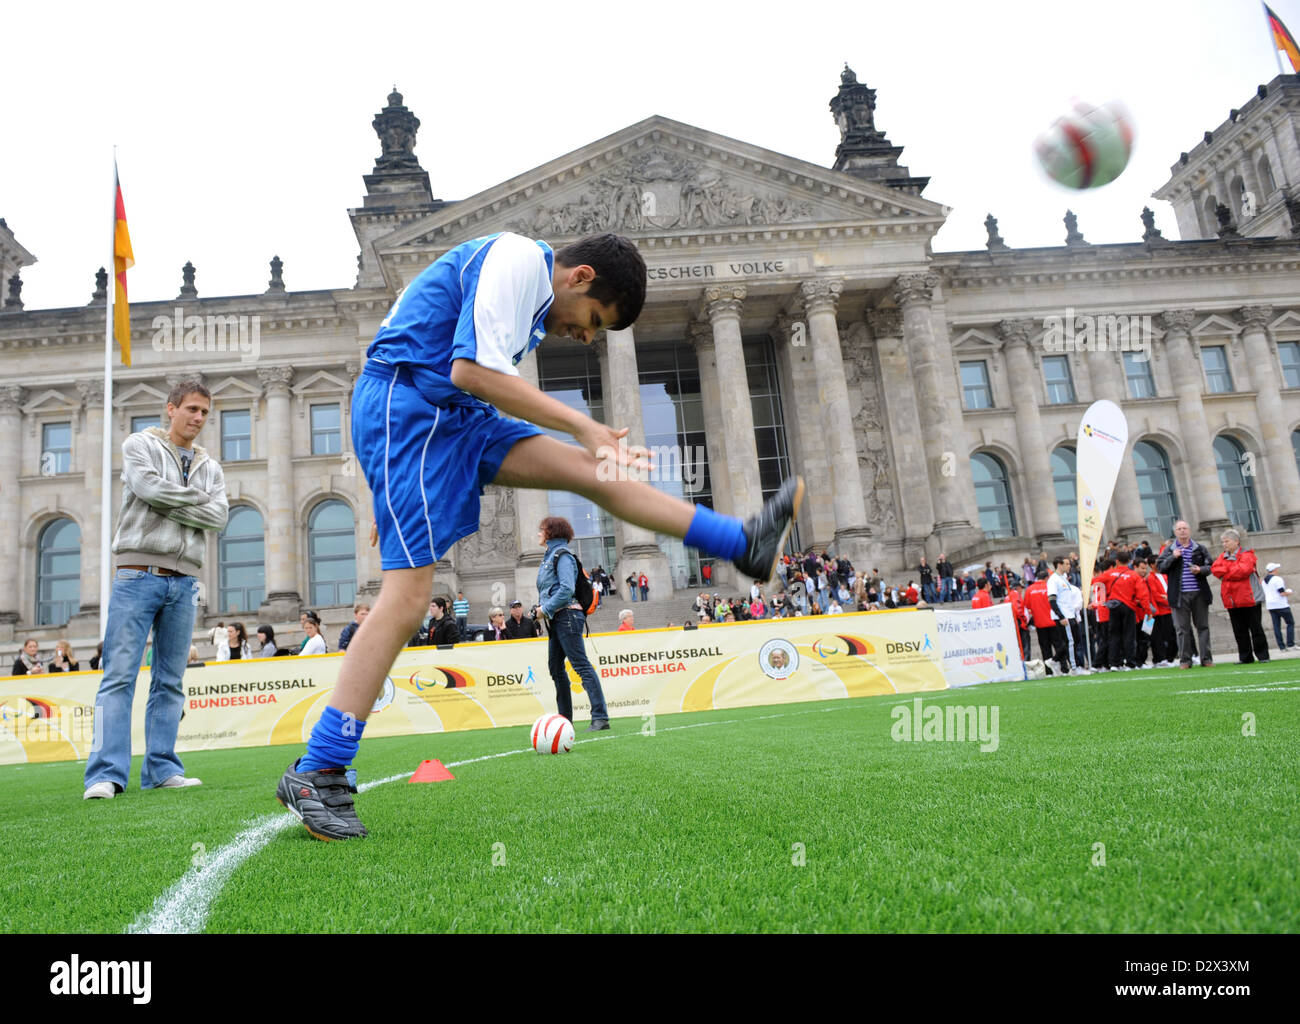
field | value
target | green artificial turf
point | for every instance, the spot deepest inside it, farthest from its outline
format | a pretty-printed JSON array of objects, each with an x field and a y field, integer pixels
[{"x": 701, "y": 828}]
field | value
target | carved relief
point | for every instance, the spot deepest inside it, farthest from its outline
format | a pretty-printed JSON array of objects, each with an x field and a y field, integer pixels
[
  {"x": 659, "y": 191},
  {"x": 496, "y": 543},
  {"x": 869, "y": 432}
]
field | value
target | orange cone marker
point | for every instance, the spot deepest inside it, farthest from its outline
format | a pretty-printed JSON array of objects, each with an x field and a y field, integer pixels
[{"x": 431, "y": 771}]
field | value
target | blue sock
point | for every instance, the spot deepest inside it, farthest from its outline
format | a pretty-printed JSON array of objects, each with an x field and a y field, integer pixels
[
  {"x": 717, "y": 535},
  {"x": 334, "y": 741}
]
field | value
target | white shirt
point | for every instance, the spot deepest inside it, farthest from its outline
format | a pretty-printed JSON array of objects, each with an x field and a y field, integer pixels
[
  {"x": 316, "y": 645},
  {"x": 512, "y": 286},
  {"x": 1273, "y": 592},
  {"x": 1068, "y": 598}
]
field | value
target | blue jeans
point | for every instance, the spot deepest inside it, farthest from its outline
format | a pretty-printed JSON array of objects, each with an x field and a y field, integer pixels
[
  {"x": 141, "y": 601},
  {"x": 945, "y": 588},
  {"x": 928, "y": 593},
  {"x": 566, "y": 642},
  {"x": 1281, "y": 615}
]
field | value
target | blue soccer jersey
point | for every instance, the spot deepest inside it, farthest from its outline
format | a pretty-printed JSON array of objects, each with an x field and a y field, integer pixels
[
  {"x": 427, "y": 448},
  {"x": 484, "y": 300}
]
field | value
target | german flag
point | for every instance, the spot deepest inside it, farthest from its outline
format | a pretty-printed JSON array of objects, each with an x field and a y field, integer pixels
[
  {"x": 122, "y": 259},
  {"x": 1283, "y": 39}
]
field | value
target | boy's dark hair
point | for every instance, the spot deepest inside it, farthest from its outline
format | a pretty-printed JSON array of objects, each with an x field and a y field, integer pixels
[
  {"x": 620, "y": 273},
  {"x": 184, "y": 389},
  {"x": 1122, "y": 557},
  {"x": 270, "y": 633},
  {"x": 441, "y": 602},
  {"x": 1060, "y": 561},
  {"x": 982, "y": 585}
]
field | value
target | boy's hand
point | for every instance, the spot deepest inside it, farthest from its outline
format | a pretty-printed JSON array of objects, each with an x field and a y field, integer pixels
[{"x": 607, "y": 444}]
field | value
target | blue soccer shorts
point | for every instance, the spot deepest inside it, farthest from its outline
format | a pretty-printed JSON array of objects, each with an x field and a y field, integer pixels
[{"x": 426, "y": 464}]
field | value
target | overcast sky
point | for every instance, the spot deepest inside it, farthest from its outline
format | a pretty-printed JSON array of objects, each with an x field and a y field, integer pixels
[{"x": 243, "y": 130}]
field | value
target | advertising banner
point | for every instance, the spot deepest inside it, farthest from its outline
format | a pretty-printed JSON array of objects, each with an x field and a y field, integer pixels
[
  {"x": 980, "y": 645},
  {"x": 263, "y": 702},
  {"x": 1103, "y": 437}
]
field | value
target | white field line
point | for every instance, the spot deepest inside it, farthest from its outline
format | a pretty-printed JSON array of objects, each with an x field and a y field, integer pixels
[
  {"x": 184, "y": 907},
  {"x": 1238, "y": 689}
]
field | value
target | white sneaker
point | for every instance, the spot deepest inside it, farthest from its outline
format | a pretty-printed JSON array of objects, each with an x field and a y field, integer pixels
[
  {"x": 100, "y": 791},
  {"x": 177, "y": 781}
]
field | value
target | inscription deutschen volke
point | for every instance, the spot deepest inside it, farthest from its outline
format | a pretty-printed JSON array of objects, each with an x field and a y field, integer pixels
[{"x": 728, "y": 271}]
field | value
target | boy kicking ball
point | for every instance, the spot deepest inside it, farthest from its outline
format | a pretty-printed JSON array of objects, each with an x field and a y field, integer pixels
[{"x": 429, "y": 432}]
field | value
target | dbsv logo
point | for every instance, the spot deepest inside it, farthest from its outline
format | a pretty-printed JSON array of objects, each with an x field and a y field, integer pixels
[{"x": 903, "y": 647}]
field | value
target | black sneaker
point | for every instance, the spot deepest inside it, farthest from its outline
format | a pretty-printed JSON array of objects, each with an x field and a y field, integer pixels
[
  {"x": 322, "y": 801},
  {"x": 767, "y": 531}
]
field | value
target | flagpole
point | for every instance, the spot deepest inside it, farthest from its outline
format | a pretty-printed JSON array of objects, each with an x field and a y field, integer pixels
[{"x": 106, "y": 474}]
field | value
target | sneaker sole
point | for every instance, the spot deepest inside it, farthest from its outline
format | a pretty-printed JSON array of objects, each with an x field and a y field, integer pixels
[{"x": 785, "y": 534}]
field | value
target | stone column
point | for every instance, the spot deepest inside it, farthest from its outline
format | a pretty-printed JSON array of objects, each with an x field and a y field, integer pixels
[
  {"x": 723, "y": 305},
  {"x": 638, "y": 551},
  {"x": 945, "y": 447},
  {"x": 531, "y": 507},
  {"x": 1043, "y": 510},
  {"x": 1126, "y": 506},
  {"x": 11, "y": 587},
  {"x": 803, "y": 424},
  {"x": 90, "y": 454},
  {"x": 282, "y": 598},
  {"x": 905, "y": 433},
  {"x": 700, "y": 336},
  {"x": 1278, "y": 454},
  {"x": 1185, "y": 368},
  {"x": 851, "y": 531}
]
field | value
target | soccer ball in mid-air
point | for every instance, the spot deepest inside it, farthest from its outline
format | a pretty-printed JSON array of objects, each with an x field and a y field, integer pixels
[
  {"x": 1088, "y": 147},
  {"x": 552, "y": 734}
]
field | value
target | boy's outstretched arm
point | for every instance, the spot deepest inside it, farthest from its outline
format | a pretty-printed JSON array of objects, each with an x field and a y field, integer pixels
[{"x": 514, "y": 396}]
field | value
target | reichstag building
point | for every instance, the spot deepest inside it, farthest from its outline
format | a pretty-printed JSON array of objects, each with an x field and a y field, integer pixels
[{"x": 796, "y": 319}]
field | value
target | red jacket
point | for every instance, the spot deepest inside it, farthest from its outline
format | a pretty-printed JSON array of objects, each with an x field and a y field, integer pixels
[
  {"x": 1159, "y": 592},
  {"x": 1017, "y": 609},
  {"x": 1122, "y": 586},
  {"x": 1143, "y": 589},
  {"x": 1098, "y": 605},
  {"x": 982, "y": 599},
  {"x": 1235, "y": 574},
  {"x": 1038, "y": 605}
]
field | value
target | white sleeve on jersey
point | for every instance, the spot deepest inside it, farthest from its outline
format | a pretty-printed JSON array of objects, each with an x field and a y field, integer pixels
[{"x": 512, "y": 286}]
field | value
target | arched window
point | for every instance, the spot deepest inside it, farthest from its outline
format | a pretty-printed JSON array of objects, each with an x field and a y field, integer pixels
[
  {"x": 1236, "y": 479},
  {"x": 1065, "y": 483},
  {"x": 993, "y": 496},
  {"x": 1211, "y": 217},
  {"x": 1295, "y": 447},
  {"x": 1266, "y": 182},
  {"x": 332, "y": 554},
  {"x": 1155, "y": 488},
  {"x": 241, "y": 558},
  {"x": 1236, "y": 191},
  {"x": 58, "y": 573}
]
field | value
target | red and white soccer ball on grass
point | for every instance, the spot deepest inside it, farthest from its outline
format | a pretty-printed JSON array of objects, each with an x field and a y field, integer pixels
[
  {"x": 1089, "y": 147},
  {"x": 552, "y": 734}
]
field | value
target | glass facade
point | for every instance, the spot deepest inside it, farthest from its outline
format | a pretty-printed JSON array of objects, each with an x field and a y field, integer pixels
[
  {"x": 56, "y": 448},
  {"x": 236, "y": 435},
  {"x": 1155, "y": 488},
  {"x": 326, "y": 429},
  {"x": 1065, "y": 482},
  {"x": 241, "y": 556},
  {"x": 1218, "y": 378},
  {"x": 332, "y": 554},
  {"x": 1236, "y": 480},
  {"x": 1060, "y": 385},
  {"x": 58, "y": 574},
  {"x": 571, "y": 373},
  {"x": 976, "y": 392},
  {"x": 993, "y": 496},
  {"x": 1137, "y": 371}
]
